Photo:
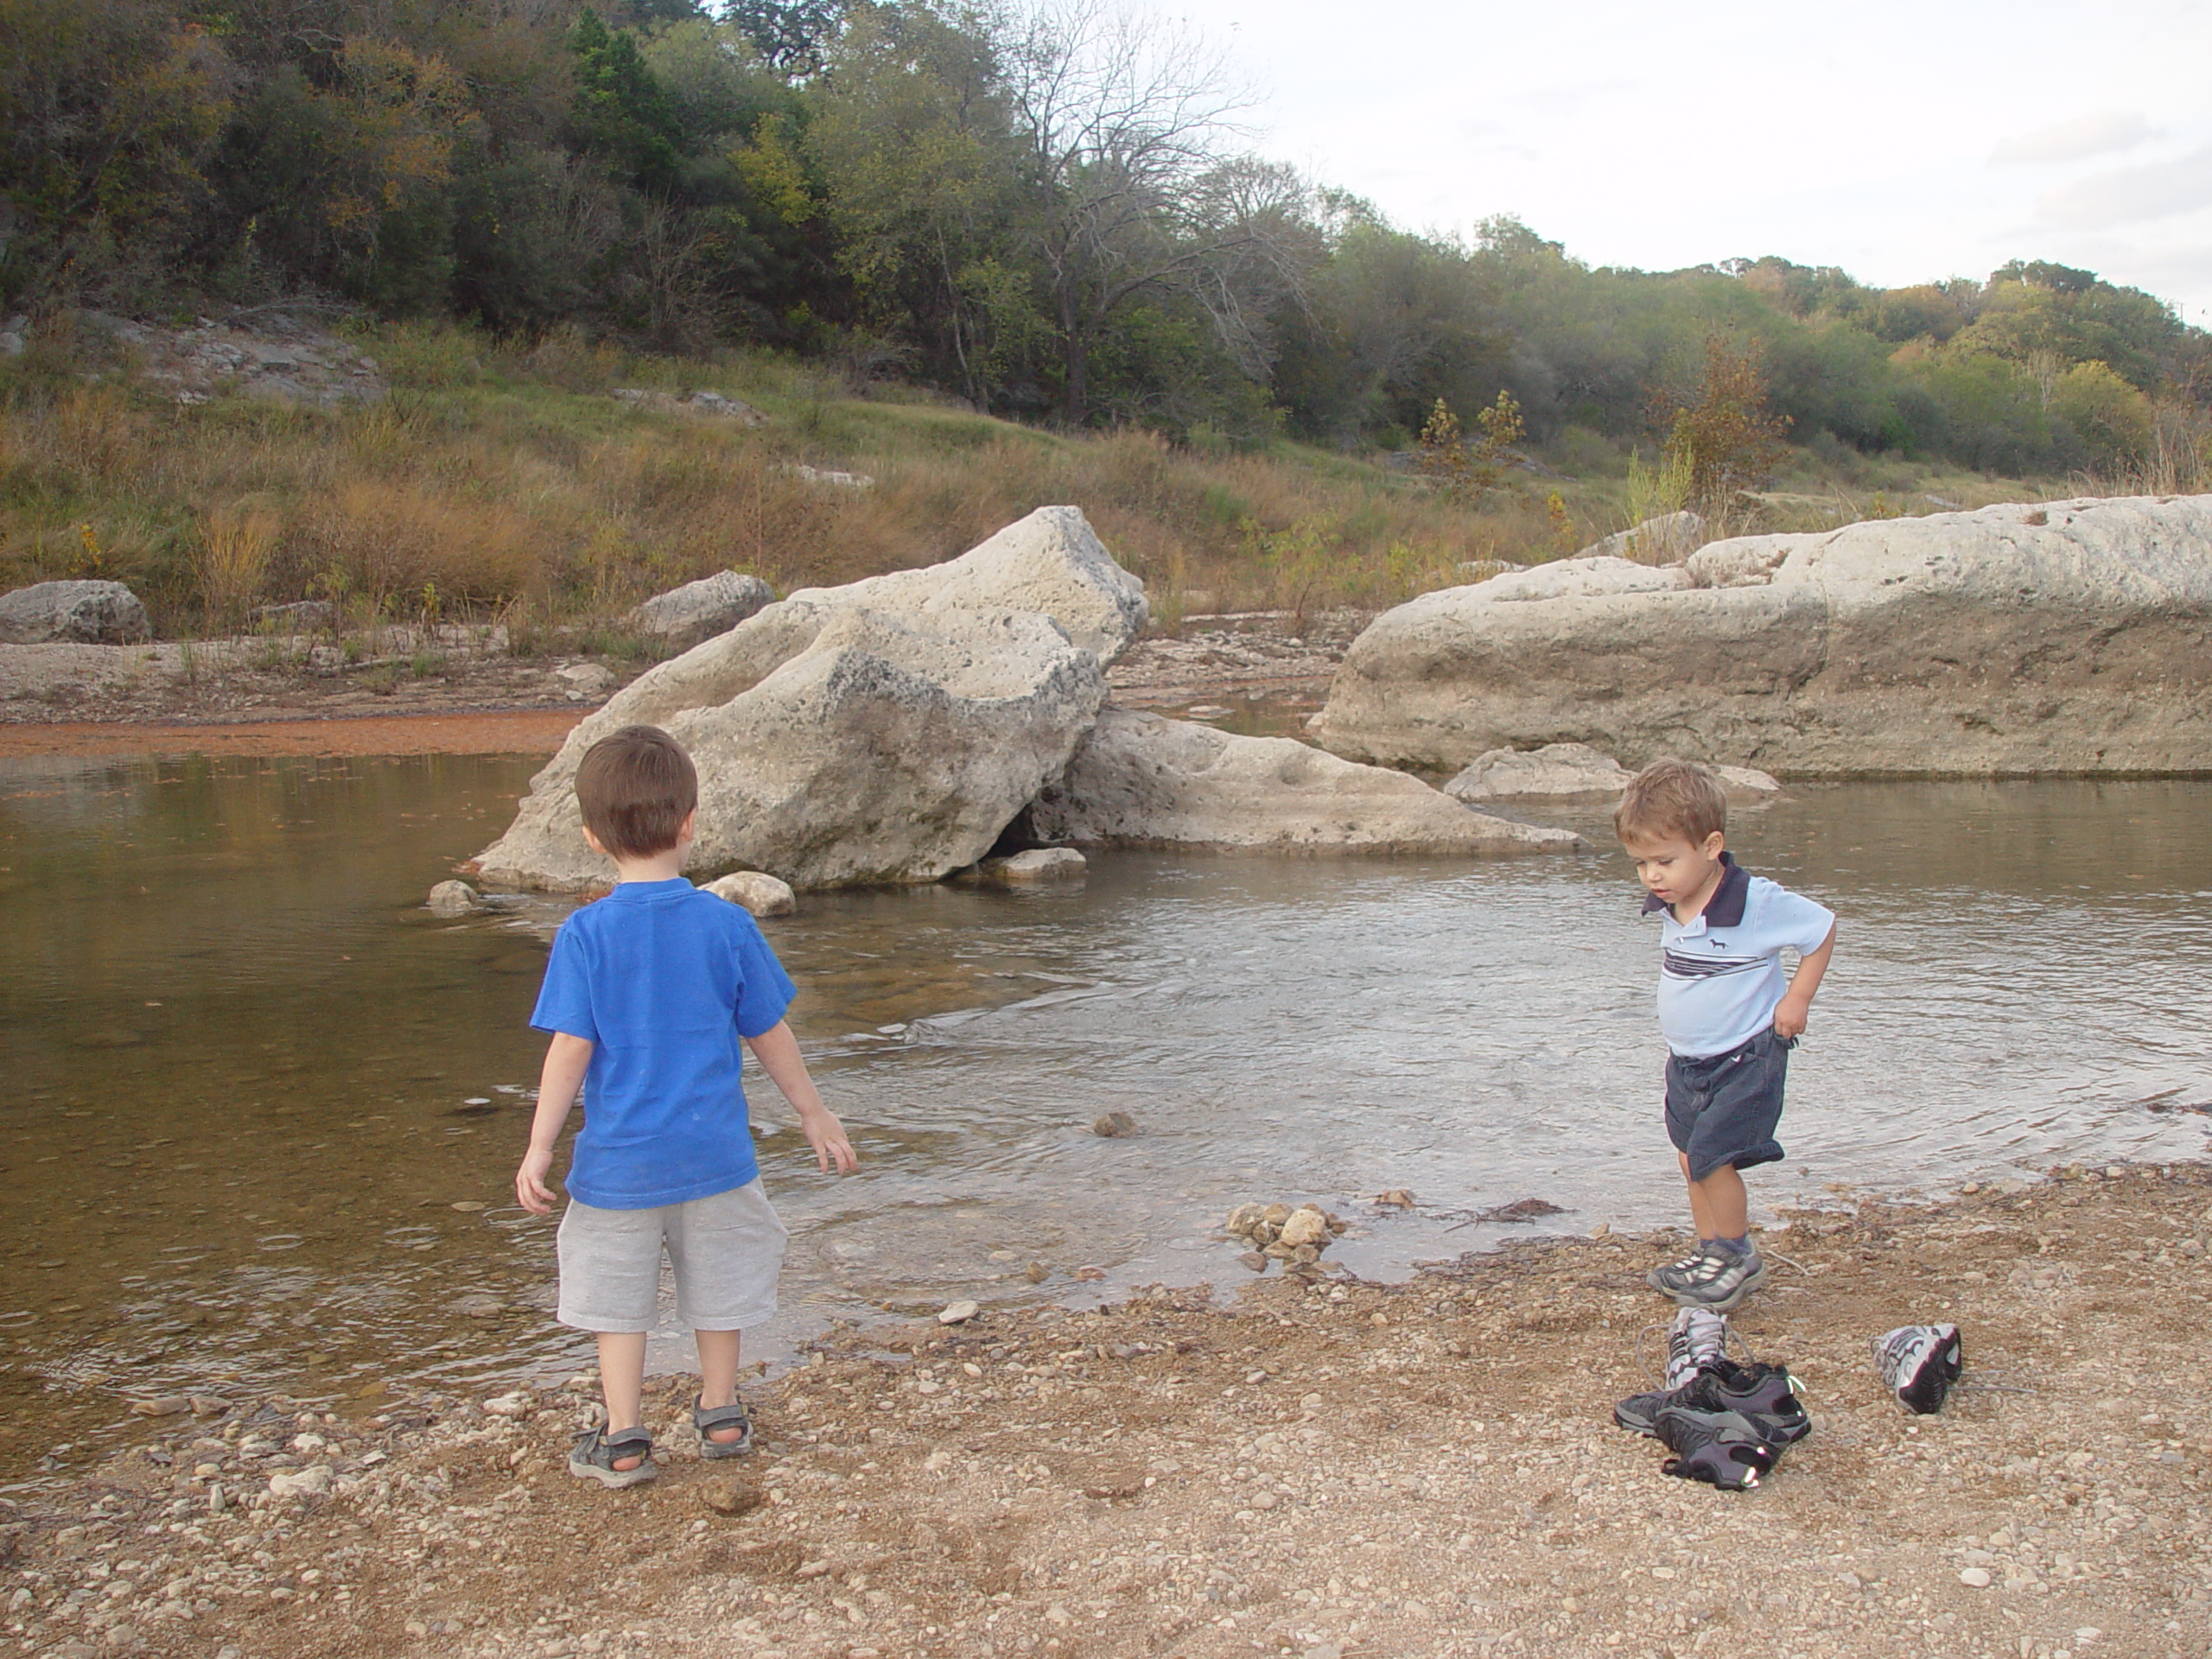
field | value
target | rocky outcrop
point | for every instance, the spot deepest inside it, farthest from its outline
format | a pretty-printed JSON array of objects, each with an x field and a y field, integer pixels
[
  {"x": 1140, "y": 780},
  {"x": 1667, "y": 539},
  {"x": 1557, "y": 771},
  {"x": 697, "y": 611},
  {"x": 2072, "y": 637},
  {"x": 73, "y": 613},
  {"x": 883, "y": 732},
  {"x": 1574, "y": 772}
]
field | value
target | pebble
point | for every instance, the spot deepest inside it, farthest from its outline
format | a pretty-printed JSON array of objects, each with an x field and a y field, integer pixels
[
  {"x": 169, "y": 1405},
  {"x": 958, "y": 1313},
  {"x": 1975, "y": 1578},
  {"x": 1112, "y": 1126},
  {"x": 730, "y": 1497}
]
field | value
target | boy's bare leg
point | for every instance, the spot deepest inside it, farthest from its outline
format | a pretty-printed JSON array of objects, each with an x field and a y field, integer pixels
[
  {"x": 1718, "y": 1203},
  {"x": 718, "y": 1356},
  {"x": 622, "y": 1382}
]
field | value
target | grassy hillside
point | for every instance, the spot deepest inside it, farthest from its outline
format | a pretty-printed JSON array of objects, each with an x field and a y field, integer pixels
[{"x": 499, "y": 483}]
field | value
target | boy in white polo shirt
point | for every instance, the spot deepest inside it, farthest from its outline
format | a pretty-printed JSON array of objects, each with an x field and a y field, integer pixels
[{"x": 1728, "y": 1013}]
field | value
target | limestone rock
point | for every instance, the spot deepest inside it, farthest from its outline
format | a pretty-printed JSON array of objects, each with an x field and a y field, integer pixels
[
  {"x": 298, "y": 616},
  {"x": 1745, "y": 784},
  {"x": 700, "y": 610},
  {"x": 1142, "y": 780},
  {"x": 1555, "y": 772},
  {"x": 886, "y": 749},
  {"x": 454, "y": 898},
  {"x": 886, "y": 731},
  {"x": 1036, "y": 864},
  {"x": 2067, "y": 637},
  {"x": 1306, "y": 1225},
  {"x": 958, "y": 1313},
  {"x": 79, "y": 613},
  {"x": 585, "y": 682},
  {"x": 1052, "y": 562},
  {"x": 1114, "y": 1126},
  {"x": 757, "y": 891},
  {"x": 1668, "y": 539}
]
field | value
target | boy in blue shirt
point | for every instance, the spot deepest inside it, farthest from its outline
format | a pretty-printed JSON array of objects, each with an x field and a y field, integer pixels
[
  {"x": 648, "y": 994},
  {"x": 1728, "y": 1013}
]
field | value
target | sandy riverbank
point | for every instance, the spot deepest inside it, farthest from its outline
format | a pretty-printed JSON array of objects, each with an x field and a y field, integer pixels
[{"x": 1344, "y": 1469}]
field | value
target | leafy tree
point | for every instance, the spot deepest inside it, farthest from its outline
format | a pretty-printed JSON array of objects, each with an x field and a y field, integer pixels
[
  {"x": 794, "y": 35},
  {"x": 621, "y": 111}
]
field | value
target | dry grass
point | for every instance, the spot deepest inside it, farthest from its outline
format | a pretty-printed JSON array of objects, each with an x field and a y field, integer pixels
[{"x": 508, "y": 482}]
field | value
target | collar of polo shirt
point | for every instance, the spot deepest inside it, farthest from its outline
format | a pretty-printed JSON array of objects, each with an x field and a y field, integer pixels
[{"x": 1725, "y": 908}]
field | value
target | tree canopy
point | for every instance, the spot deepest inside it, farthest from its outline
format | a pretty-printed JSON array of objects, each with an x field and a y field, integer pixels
[{"x": 1048, "y": 209}]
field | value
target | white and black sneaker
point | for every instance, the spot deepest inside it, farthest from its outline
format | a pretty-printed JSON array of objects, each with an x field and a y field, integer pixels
[
  {"x": 1669, "y": 1279},
  {"x": 1717, "y": 1279},
  {"x": 1695, "y": 1341},
  {"x": 1918, "y": 1364}
]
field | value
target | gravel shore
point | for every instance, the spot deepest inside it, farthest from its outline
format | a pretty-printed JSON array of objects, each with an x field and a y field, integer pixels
[{"x": 1325, "y": 1469}]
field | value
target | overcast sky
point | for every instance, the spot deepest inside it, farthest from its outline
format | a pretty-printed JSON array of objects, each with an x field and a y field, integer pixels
[{"x": 1903, "y": 140}]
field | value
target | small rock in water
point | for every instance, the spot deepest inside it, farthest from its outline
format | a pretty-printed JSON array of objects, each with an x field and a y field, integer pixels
[
  {"x": 1254, "y": 1260},
  {"x": 1397, "y": 1198},
  {"x": 1089, "y": 1276},
  {"x": 958, "y": 1313},
  {"x": 454, "y": 898},
  {"x": 1521, "y": 1209},
  {"x": 1112, "y": 1126},
  {"x": 167, "y": 1405},
  {"x": 1037, "y": 864},
  {"x": 1305, "y": 1226},
  {"x": 755, "y": 891},
  {"x": 1036, "y": 1272},
  {"x": 471, "y": 1206}
]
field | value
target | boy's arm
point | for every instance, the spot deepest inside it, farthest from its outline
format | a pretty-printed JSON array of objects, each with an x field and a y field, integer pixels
[
  {"x": 567, "y": 1059},
  {"x": 778, "y": 1051},
  {"x": 1796, "y": 1005}
]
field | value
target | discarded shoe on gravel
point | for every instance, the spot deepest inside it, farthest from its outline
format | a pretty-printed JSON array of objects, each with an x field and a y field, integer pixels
[{"x": 1919, "y": 1363}]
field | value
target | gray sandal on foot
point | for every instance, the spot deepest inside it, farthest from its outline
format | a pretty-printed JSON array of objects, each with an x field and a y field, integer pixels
[
  {"x": 596, "y": 1452},
  {"x": 733, "y": 1415}
]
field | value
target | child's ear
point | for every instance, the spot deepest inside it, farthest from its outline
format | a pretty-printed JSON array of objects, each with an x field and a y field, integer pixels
[
  {"x": 1714, "y": 842},
  {"x": 685, "y": 831},
  {"x": 592, "y": 842}
]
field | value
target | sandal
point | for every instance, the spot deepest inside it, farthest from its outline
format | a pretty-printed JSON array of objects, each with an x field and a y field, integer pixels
[
  {"x": 733, "y": 1415},
  {"x": 596, "y": 1452}
]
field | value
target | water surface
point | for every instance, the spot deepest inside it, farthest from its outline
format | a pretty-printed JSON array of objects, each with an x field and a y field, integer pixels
[{"x": 263, "y": 1111}]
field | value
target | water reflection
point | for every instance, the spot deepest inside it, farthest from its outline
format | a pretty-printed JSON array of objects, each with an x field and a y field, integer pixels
[{"x": 263, "y": 1109}]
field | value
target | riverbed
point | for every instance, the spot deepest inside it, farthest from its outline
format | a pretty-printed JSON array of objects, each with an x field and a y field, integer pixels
[{"x": 265, "y": 1108}]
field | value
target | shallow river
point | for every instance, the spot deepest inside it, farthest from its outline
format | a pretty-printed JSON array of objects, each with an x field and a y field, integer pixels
[{"x": 263, "y": 1111}]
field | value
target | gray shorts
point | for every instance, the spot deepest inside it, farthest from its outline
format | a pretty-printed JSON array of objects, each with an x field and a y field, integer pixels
[
  {"x": 1722, "y": 1109},
  {"x": 726, "y": 1248}
]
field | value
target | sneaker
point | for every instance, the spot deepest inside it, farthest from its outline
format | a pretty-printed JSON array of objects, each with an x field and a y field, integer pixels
[
  {"x": 1716, "y": 1447},
  {"x": 1763, "y": 1396},
  {"x": 1720, "y": 1279},
  {"x": 1670, "y": 1280},
  {"x": 1918, "y": 1364},
  {"x": 1699, "y": 1335}
]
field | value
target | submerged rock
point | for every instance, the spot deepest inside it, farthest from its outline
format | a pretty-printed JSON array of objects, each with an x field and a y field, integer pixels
[
  {"x": 74, "y": 612},
  {"x": 1037, "y": 864},
  {"x": 454, "y": 898},
  {"x": 1112, "y": 1126},
  {"x": 1555, "y": 772},
  {"x": 2074, "y": 636},
  {"x": 1138, "y": 780}
]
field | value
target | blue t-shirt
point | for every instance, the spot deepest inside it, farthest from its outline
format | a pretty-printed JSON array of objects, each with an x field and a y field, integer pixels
[
  {"x": 1720, "y": 974},
  {"x": 663, "y": 980}
]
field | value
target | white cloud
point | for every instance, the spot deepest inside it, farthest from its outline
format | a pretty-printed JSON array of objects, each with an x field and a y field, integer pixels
[
  {"x": 2127, "y": 195},
  {"x": 2072, "y": 141}
]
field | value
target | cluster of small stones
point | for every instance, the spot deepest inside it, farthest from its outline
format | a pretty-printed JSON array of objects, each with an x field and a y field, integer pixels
[{"x": 1278, "y": 1233}]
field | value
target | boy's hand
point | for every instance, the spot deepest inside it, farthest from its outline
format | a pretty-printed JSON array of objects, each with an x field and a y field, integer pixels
[
  {"x": 531, "y": 1191},
  {"x": 826, "y": 1136},
  {"x": 1790, "y": 1015}
]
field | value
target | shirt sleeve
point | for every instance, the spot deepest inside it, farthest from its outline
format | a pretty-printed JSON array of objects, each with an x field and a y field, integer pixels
[
  {"x": 764, "y": 989},
  {"x": 564, "y": 999},
  {"x": 1792, "y": 920}
]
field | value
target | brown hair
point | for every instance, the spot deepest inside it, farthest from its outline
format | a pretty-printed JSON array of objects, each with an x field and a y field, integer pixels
[
  {"x": 635, "y": 788},
  {"x": 1670, "y": 797}
]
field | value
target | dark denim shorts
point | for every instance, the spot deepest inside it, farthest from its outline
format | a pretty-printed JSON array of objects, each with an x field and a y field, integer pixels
[{"x": 1722, "y": 1108}]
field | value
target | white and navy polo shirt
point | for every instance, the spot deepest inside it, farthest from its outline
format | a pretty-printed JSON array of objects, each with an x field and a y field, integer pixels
[{"x": 1720, "y": 973}]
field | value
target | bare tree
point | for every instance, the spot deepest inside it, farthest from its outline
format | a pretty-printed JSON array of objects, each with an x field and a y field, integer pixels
[{"x": 1135, "y": 183}]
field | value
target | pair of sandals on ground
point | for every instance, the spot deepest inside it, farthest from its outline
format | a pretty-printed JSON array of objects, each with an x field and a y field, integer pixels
[{"x": 724, "y": 1432}]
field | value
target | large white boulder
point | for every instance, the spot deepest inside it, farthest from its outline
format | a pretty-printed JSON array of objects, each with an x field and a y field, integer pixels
[
  {"x": 886, "y": 748},
  {"x": 2071, "y": 636},
  {"x": 73, "y": 613},
  {"x": 1142, "y": 780},
  {"x": 883, "y": 731},
  {"x": 700, "y": 610}
]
